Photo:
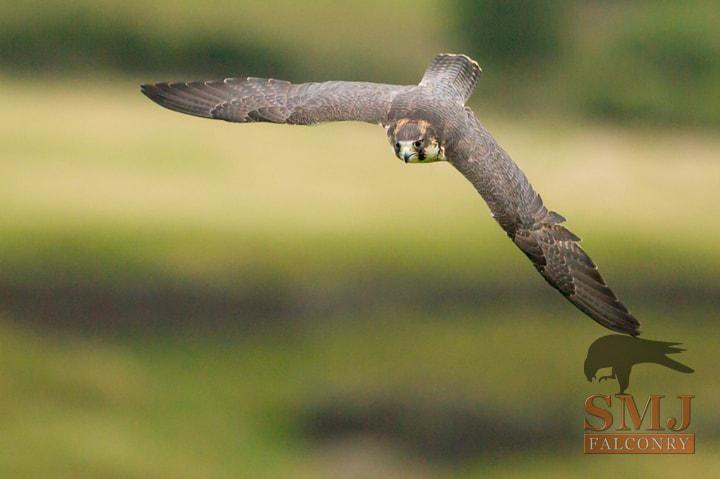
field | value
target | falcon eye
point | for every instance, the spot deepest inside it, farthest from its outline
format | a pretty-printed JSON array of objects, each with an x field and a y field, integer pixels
[
  {"x": 397, "y": 145},
  {"x": 417, "y": 144}
]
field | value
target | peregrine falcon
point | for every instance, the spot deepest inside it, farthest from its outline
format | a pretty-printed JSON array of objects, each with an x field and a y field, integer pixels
[{"x": 425, "y": 123}]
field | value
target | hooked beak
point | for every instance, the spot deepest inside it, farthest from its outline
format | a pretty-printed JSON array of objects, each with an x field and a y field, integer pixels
[{"x": 406, "y": 153}]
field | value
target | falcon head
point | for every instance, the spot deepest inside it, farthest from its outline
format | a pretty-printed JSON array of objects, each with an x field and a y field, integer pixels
[{"x": 415, "y": 141}]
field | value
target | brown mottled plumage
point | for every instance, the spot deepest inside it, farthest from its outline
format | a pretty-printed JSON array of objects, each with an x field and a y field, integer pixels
[{"x": 427, "y": 122}]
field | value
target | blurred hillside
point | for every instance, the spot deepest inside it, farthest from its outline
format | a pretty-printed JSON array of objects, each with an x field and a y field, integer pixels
[
  {"x": 656, "y": 62},
  {"x": 111, "y": 200},
  {"x": 639, "y": 61},
  {"x": 187, "y": 298},
  {"x": 309, "y": 312}
]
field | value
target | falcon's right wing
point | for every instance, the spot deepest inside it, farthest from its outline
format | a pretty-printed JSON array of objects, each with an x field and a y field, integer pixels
[
  {"x": 554, "y": 250},
  {"x": 277, "y": 101}
]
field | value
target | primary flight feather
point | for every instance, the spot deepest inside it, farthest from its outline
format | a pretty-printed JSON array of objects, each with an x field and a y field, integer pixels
[{"x": 425, "y": 123}]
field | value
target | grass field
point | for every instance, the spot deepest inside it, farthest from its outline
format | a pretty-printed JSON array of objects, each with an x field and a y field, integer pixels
[
  {"x": 402, "y": 301},
  {"x": 96, "y": 158},
  {"x": 236, "y": 406}
]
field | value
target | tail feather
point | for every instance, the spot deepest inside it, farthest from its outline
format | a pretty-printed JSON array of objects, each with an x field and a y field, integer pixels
[{"x": 454, "y": 75}]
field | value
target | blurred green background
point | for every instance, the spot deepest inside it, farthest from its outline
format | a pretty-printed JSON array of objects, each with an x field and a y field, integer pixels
[{"x": 185, "y": 298}]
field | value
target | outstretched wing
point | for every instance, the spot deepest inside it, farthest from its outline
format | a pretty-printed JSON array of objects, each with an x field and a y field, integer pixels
[
  {"x": 554, "y": 250},
  {"x": 277, "y": 101}
]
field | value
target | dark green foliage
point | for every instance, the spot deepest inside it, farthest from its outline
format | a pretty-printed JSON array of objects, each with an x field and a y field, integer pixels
[
  {"x": 84, "y": 41},
  {"x": 508, "y": 33},
  {"x": 650, "y": 61},
  {"x": 661, "y": 64},
  {"x": 630, "y": 61}
]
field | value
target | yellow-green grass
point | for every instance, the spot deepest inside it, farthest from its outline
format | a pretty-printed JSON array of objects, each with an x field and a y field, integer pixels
[
  {"x": 101, "y": 186},
  {"x": 99, "y": 170},
  {"x": 221, "y": 405}
]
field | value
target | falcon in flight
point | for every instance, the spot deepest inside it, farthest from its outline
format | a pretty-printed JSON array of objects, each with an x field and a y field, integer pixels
[{"x": 425, "y": 123}]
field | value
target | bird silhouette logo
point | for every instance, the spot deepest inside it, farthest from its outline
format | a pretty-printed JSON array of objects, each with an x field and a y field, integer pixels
[{"x": 621, "y": 353}]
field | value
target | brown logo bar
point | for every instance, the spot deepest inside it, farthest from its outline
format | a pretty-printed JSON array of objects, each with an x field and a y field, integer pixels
[{"x": 639, "y": 443}]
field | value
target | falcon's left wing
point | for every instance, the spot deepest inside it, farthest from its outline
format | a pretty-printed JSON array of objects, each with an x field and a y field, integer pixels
[
  {"x": 554, "y": 250},
  {"x": 276, "y": 101}
]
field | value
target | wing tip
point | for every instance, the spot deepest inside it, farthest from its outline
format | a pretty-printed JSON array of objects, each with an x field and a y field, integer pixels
[
  {"x": 172, "y": 95},
  {"x": 152, "y": 90},
  {"x": 625, "y": 323},
  {"x": 607, "y": 314},
  {"x": 624, "y": 327},
  {"x": 628, "y": 325}
]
